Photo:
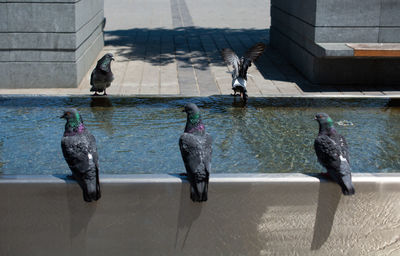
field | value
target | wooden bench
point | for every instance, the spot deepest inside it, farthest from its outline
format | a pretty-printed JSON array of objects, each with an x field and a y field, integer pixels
[{"x": 376, "y": 49}]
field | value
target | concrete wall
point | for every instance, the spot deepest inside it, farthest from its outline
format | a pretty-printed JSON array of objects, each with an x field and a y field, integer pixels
[
  {"x": 313, "y": 34},
  {"x": 48, "y": 43},
  {"x": 260, "y": 214}
]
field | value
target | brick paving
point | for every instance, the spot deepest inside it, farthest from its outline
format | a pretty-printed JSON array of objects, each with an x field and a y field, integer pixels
[{"x": 172, "y": 47}]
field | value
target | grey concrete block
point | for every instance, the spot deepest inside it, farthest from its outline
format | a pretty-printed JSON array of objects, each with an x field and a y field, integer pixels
[
  {"x": 37, "y": 74},
  {"x": 60, "y": 74},
  {"x": 86, "y": 60},
  {"x": 298, "y": 56},
  {"x": 389, "y": 34},
  {"x": 335, "y": 50},
  {"x": 390, "y": 10},
  {"x": 44, "y": 55},
  {"x": 346, "y": 34},
  {"x": 38, "y": 17},
  {"x": 60, "y": 41},
  {"x": 38, "y": 41},
  {"x": 85, "y": 10},
  {"x": 90, "y": 27},
  {"x": 290, "y": 25},
  {"x": 3, "y": 17},
  {"x": 280, "y": 18},
  {"x": 304, "y": 10},
  {"x": 348, "y": 13}
]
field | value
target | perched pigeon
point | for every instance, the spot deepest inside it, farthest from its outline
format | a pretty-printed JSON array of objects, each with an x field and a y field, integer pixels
[
  {"x": 102, "y": 75},
  {"x": 80, "y": 152},
  {"x": 240, "y": 67},
  {"x": 332, "y": 152},
  {"x": 196, "y": 150}
]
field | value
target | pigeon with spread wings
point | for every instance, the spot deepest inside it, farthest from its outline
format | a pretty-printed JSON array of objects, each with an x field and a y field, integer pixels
[{"x": 240, "y": 67}]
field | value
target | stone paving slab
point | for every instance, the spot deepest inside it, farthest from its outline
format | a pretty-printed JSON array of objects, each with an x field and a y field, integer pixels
[{"x": 172, "y": 48}]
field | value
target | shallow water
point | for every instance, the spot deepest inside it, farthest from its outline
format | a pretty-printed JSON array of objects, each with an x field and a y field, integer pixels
[{"x": 137, "y": 135}]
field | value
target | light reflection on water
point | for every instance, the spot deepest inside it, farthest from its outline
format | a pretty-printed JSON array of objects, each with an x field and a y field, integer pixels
[{"x": 141, "y": 135}]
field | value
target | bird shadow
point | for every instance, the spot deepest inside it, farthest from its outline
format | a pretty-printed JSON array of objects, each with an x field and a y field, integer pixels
[
  {"x": 189, "y": 212},
  {"x": 328, "y": 200},
  {"x": 80, "y": 213}
]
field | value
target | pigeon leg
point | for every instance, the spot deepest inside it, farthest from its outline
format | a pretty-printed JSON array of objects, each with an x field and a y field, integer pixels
[
  {"x": 104, "y": 92},
  {"x": 183, "y": 174}
]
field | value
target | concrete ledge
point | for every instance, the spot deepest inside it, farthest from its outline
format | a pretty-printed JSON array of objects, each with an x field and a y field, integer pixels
[{"x": 247, "y": 214}]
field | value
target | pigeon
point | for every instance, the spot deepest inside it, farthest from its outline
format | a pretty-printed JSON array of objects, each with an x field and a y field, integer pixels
[
  {"x": 196, "y": 149},
  {"x": 102, "y": 75},
  {"x": 333, "y": 153},
  {"x": 240, "y": 67},
  {"x": 80, "y": 151}
]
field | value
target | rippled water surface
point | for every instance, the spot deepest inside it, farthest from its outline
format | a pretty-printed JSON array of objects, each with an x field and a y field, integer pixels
[{"x": 141, "y": 135}]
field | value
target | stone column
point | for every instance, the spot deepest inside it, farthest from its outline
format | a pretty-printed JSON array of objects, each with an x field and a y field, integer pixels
[{"x": 48, "y": 43}]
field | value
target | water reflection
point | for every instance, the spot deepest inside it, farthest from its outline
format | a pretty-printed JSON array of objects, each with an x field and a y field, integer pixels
[{"x": 103, "y": 111}]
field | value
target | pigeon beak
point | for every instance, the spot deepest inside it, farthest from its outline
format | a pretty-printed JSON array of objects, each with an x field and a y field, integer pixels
[
  {"x": 63, "y": 116},
  {"x": 183, "y": 110},
  {"x": 112, "y": 59}
]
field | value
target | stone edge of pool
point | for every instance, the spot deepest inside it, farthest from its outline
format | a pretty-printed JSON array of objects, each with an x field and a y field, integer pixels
[
  {"x": 352, "y": 96},
  {"x": 214, "y": 178},
  {"x": 246, "y": 214}
]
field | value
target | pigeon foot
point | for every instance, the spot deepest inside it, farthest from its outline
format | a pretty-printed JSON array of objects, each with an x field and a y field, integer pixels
[
  {"x": 95, "y": 94},
  {"x": 183, "y": 174}
]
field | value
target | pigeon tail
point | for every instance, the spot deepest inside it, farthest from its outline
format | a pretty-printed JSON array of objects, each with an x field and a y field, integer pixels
[
  {"x": 198, "y": 191},
  {"x": 91, "y": 189},
  {"x": 347, "y": 186}
]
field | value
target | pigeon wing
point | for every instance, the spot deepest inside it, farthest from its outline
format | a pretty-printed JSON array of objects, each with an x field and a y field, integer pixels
[
  {"x": 255, "y": 51},
  {"x": 231, "y": 58},
  {"x": 251, "y": 55},
  {"x": 76, "y": 154},
  {"x": 193, "y": 156},
  {"x": 208, "y": 152},
  {"x": 328, "y": 152}
]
